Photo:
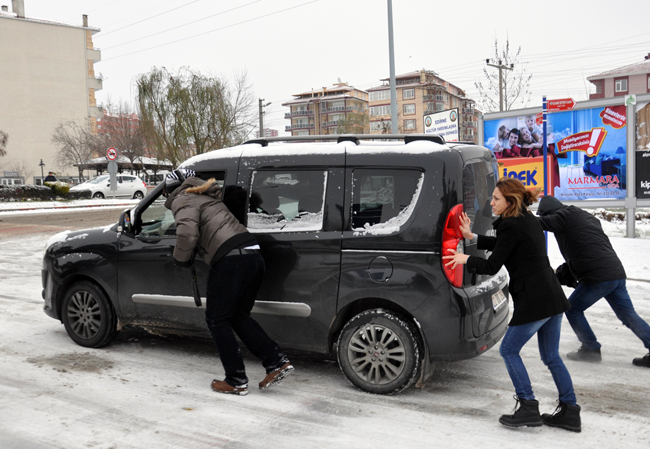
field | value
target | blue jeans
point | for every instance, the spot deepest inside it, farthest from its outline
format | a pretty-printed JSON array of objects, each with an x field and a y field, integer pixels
[
  {"x": 233, "y": 283},
  {"x": 548, "y": 339},
  {"x": 615, "y": 292}
]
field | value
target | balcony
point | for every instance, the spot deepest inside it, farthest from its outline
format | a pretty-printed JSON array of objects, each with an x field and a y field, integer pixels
[
  {"x": 298, "y": 113},
  {"x": 331, "y": 123},
  {"x": 338, "y": 109},
  {"x": 299, "y": 126},
  {"x": 93, "y": 54},
  {"x": 95, "y": 83},
  {"x": 467, "y": 111}
]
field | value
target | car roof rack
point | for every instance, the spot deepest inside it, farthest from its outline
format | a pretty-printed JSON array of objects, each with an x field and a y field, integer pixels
[{"x": 355, "y": 138}]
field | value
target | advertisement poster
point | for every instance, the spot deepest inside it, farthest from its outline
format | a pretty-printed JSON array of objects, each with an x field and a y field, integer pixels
[
  {"x": 586, "y": 151},
  {"x": 643, "y": 150},
  {"x": 444, "y": 123}
]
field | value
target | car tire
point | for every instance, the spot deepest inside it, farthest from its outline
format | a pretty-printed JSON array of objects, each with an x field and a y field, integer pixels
[
  {"x": 88, "y": 316},
  {"x": 98, "y": 195},
  {"x": 379, "y": 352},
  {"x": 138, "y": 195}
]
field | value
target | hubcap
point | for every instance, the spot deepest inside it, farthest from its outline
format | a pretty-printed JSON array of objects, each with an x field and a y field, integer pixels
[
  {"x": 376, "y": 354},
  {"x": 84, "y": 315}
]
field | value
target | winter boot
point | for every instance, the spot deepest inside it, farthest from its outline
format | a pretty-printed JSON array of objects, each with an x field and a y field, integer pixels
[
  {"x": 585, "y": 355},
  {"x": 221, "y": 386},
  {"x": 643, "y": 361},
  {"x": 526, "y": 415},
  {"x": 276, "y": 376},
  {"x": 565, "y": 416}
]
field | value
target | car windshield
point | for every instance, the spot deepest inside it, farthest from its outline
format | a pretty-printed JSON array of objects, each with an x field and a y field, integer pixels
[{"x": 98, "y": 179}]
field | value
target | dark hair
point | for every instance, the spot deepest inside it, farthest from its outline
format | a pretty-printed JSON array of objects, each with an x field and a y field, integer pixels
[
  {"x": 517, "y": 196},
  {"x": 514, "y": 131}
]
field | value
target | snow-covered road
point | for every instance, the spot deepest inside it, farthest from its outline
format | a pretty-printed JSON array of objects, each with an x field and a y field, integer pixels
[{"x": 147, "y": 391}]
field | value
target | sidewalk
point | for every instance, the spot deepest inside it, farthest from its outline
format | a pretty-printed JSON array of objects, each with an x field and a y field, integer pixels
[{"x": 12, "y": 207}]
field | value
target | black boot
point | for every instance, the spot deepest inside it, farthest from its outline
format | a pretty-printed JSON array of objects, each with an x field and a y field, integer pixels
[
  {"x": 643, "y": 361},
  {"x": 565, "y": 416},
  {"x": 584, "y": 354},
  {"x": 526, "y": 415}
]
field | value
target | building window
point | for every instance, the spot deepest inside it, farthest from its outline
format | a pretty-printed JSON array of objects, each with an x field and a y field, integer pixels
[
  {"x": 379, "y": 110},
  {"x": 648, "y": 83},
  {"x": 621, "y": 85},
  {"x": 381, "y": 126},
  {"x": 380, "y": 95},
  {"x": 409, "y": 109},
  {"x": 409, "y": 125},
  {"x": 408, "y": 93}
]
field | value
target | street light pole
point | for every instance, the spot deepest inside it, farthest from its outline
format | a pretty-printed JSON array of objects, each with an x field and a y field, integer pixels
[
  {"x": 42, "y": 177},
  {"x": 262, "y": 105}
]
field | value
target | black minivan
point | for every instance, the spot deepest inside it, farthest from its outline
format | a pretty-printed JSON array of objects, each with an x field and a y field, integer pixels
[{"x": 352, "y": 229}]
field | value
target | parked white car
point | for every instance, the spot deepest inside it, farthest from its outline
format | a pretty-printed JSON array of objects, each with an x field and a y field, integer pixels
[{"x": 128, "y": 186}]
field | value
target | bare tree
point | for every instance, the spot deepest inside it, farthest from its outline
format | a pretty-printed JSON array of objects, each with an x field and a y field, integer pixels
[
  {"x": 4, "y": 137},
  {"x": 516, "y": 82},
  {"x": 190, "y": 113},
  {"x": 355, "y": 122},
  {"x": 23, "y": 169},
  {"x": 75, "y": 143},
  {"x": 121, "y": 130}
]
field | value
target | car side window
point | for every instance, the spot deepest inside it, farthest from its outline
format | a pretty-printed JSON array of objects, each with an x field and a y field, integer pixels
[
  {"x": 157, "y": 220},
  {"x": 383, "y": 200},
  {"x": 478, "y": 185},
  {"x": 287, "y": 200}
]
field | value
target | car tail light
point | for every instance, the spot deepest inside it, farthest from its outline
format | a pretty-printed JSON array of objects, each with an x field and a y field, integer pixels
[{"x": 453, "y": 239}]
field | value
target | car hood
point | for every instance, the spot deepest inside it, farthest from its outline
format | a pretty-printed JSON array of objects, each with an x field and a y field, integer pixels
[{"x": 70, "y": 240}]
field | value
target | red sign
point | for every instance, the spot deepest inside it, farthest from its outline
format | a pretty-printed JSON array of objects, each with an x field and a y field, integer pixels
[
  {"x": 587, "y": 141},
  {"x": 539, "y": 118},
  {"x": 615, "y": 116},
  {"x": 111, "y": 154},
  {"x": 563, "y": 104}
]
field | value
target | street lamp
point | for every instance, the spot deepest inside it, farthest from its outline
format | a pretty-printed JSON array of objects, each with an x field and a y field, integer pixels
[{"x": 42, "y": 177}]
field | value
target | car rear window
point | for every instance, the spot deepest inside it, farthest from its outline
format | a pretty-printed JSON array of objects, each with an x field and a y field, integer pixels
[
  {"x": 478, "y": 185},
  {"x": 383, "y": 197},
  {"x": 287, "y": 200}
]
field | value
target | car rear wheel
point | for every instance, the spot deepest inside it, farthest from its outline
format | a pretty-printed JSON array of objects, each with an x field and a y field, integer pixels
[
  {"x": 379, "y": 352},
  {"x": 98, "y": 195},
  {"x": 138, "y": 195},
  {"x": 88, "y": 316}
]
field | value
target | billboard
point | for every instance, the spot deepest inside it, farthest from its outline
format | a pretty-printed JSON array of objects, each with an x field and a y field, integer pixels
[
  {"x": 444, "y": 123},
  {"x": 643, "y": 150},
  {"x": 586, "y": 151}
]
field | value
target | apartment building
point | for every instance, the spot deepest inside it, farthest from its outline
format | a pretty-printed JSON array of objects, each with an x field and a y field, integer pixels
[
  {"x": 420, "y": 93},
  {"x": 47, "y": 78},
  {"x": 629, "y": 79},
  {"x": 338, "y": 109}
]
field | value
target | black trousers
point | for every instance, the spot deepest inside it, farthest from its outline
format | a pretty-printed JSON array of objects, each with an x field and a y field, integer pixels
[{"x": 233, "y": 283}]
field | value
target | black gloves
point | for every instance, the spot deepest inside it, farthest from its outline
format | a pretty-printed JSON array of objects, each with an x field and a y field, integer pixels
[{"x": 565, "y": 276}]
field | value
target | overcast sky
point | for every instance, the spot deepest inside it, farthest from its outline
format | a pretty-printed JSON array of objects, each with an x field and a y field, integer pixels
[{"x": 292, "y": 46}]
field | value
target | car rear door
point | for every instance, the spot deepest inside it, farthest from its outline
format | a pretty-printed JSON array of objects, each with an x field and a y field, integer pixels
[{"x": 295, "y": 198}]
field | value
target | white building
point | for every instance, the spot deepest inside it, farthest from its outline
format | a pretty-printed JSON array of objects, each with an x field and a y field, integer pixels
[{"x": 47, "y": 78}]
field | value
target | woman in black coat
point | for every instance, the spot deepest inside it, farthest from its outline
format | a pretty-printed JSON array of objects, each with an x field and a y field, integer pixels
[{"x": 539, "y": 301}]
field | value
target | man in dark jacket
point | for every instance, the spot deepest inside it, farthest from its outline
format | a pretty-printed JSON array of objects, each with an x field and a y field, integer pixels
[
  {"x": 599, "y": 272},
  {"x": 50, "y": 177},
  {"x": 205, "y": 226}
]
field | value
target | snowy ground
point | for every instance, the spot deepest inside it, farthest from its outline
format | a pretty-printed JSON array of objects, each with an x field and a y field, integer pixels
[{"x": 147, "y": 391}]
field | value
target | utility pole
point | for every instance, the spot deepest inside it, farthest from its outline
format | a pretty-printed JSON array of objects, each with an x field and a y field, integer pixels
[
  {"x": 501, "y": 68},
  {"x": 262, "y": 105},
  {"x": 391, "y": 57}
]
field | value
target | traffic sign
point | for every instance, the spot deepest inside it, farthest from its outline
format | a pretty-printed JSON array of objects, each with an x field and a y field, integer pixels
[
  {"x": 563, "y": 104},
  {"x": 111, "y": 154},
  {"x": 630, "y": 100}
]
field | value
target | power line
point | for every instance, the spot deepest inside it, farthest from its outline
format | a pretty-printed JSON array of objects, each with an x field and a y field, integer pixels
[
  {"x": 148, "y": 18},
  {"x": 212, "y": 31},
  {"x": 183, "y": 25}
]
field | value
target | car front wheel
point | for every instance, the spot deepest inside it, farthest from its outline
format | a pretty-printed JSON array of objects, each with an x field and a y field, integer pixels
[
  {"x": 379, "y": 352},
  {"x": 88, "y": 316},
  {"x": 98, "y": 195},
  {"x": 138, "y": 195}
]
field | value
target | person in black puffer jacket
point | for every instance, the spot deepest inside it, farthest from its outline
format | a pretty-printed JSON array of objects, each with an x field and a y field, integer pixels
[{"x": 599, "y": 272}]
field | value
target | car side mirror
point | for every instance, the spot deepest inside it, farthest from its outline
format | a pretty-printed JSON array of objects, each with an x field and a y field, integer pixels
[{"x": 124, "y": 225}]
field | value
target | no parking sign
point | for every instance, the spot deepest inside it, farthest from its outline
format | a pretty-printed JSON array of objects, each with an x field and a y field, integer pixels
[{"x": 111, "y": 154}]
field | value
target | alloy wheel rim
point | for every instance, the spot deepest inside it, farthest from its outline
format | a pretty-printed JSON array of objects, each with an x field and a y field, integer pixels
[{"x": 377, "y": 355}]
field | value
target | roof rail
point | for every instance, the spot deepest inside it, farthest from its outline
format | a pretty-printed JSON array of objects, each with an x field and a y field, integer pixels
[{"x": 356, "y": 138}]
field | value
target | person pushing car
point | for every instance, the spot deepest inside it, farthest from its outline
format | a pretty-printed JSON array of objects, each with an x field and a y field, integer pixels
[{"x": 205, "y": 226}]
